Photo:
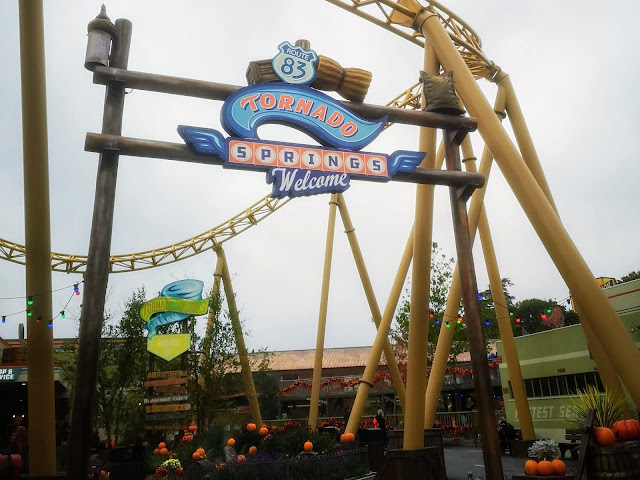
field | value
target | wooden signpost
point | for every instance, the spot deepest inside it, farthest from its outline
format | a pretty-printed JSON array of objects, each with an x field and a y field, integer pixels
[
  {"x": 174, "y": 407},
  {"x": 166, "y": 382},
  {"x": 172, "y": 398}
]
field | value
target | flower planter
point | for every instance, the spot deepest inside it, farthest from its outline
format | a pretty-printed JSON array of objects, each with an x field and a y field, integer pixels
[{"x": 620, "y": 461}]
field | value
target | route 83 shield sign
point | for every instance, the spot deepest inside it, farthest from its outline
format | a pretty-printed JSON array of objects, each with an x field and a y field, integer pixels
[{"x": 294, "y": 64}]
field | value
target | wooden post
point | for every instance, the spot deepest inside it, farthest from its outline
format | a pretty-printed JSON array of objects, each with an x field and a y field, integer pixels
[
  {"x": 97, "y": 265},
  {"x": 481, "y": 376}
]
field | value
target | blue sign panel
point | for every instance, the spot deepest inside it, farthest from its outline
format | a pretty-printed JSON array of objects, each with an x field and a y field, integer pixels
[
  {"x": 319, "y": 115},
  {"x": 297, "y": 170}
]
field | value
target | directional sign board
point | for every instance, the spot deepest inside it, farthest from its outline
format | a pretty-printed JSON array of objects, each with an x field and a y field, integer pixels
[
  {"x": 171, "y": 389},
  {"x": 176, "y": 407},
  {"x": 165, "y": 381},
  {"x": 169, "y": 374},
  {"x": 172, "y": 398},
  {"x": 163, "y": 417}
]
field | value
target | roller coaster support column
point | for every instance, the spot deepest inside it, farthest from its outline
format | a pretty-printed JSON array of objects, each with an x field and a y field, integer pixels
[
  {"x": 477, "y": 349},
  {"x": 381, "y": 338},
  {"x": 420, "y": 273},
  {"x": 42, "y": 438},
  {"x": 502, "y": 313},
  {"x": 214, "y": 306},
  {"x": 606, "y": 369},
  {"x": 322, "y": 316},
  {"x": 445, "y": 339},
  {"x": 97, "y": 274},
  {"x": 606, "y": 325},
  {"x": 245, "y": 366},
  {"x": 389, "y": 355}
]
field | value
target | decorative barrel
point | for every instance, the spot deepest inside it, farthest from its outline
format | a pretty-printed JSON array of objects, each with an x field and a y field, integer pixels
[{"x": 620, "y": 461}]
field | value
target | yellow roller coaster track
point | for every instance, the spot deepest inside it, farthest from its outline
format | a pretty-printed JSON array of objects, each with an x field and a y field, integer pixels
[
  {"x": 395, "y": 17},
  {"x": 63, "y": 262},
  {"x": 469, "y": 45}
]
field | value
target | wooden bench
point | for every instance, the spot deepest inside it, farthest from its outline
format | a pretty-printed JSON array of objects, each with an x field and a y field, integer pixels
[{"x": 573, "y": 446}]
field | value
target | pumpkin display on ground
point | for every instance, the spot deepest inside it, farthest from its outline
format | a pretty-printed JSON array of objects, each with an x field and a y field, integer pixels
[
  {"x": 545, "y": 468},
  {"x": 559, "y": 467},
  {"x": 531, "y": 467}
]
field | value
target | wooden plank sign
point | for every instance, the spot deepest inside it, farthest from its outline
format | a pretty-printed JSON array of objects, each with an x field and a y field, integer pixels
[
  {"x": 174, "y": 389},
  {"x": 175, "y": 407},
  {"x": 170, "y": 374},
  {"x": 172, "y": 398},
  {"x": 166, "y": 381},
  {"x": 158, "y": 417},
  {"x": 170, "y": 427}
]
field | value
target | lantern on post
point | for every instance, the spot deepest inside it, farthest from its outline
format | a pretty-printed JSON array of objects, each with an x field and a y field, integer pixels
[{"x": 101, "y": 32}]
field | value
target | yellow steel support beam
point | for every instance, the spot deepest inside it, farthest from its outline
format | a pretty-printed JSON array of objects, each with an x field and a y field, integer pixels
[{"x": 322, "y": 316}]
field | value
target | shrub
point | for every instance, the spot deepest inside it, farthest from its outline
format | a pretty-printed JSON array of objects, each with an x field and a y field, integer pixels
[{"x": 544, "y": 450}]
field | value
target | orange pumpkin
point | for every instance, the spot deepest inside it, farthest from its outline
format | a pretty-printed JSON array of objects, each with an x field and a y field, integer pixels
[
  {"x": 604, "y": 436},
  {"x": 162, "y": 445},
  {"x": 156, "y": 451},
  {"x": 231, "y": 442},
  {"x": 264, "y": 431},
  {"x": 343, "y": 438},
  {"x": 627, "y": 429},
  {"x": 308, "y": 446},
  {"x": 350, "y": 437},
  {"x": 253, "y": 450},
  {"x": 201, "y": 452},
  {"x": 545, "y": 468},
  {"x": 241, "y": 458},
  {"x": 251, "y": 427},
  {"x": 195, "y": 456},
  {"x": 192, "y": 428},
  {"x": 559, "y": 468},
  {"x": 179, "y": 470},
  {"x": 164, "y": 451},
  {"x": 531, "y": 468}
]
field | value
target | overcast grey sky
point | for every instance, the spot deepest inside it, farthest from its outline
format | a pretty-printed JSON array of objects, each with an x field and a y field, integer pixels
[{"x": 574, "y": 66}]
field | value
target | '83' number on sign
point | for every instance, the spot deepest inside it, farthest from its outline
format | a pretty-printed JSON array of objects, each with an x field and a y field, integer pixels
[{"x": 294, "y": 64}]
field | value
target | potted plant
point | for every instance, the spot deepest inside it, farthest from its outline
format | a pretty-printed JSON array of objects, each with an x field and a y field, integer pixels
[
  {"x": 544, "y": 459},
  {"x": 610, "y": 454}
]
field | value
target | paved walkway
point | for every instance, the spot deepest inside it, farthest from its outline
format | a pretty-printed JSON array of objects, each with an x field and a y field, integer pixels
[{"x": 461, "y": 460}]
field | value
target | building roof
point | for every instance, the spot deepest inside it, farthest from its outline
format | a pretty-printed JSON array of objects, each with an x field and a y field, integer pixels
[
  {"x": 332, "y": 358},
  {"x": 466, "y": 356}
]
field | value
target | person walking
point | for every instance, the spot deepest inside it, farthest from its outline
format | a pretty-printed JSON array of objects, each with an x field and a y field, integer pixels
[{"x": 382, "y": 425}]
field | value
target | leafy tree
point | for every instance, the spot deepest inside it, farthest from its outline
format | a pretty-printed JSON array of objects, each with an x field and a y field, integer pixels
[
  {"x": 210, "y": 370},
  {"x": 530, "y": 313},
  {"x": 487, "y": 309},
  {"x": 441, "y": 276},
  {"x": 121, "y": 370},
  {"x": 267, "y": 385},
  {"x": 634, "y": 275}
]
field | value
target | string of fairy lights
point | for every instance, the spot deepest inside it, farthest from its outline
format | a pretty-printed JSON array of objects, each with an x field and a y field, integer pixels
[
  {"x": 447, "y": 319},
  {"x": 31, "y": 308}
]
